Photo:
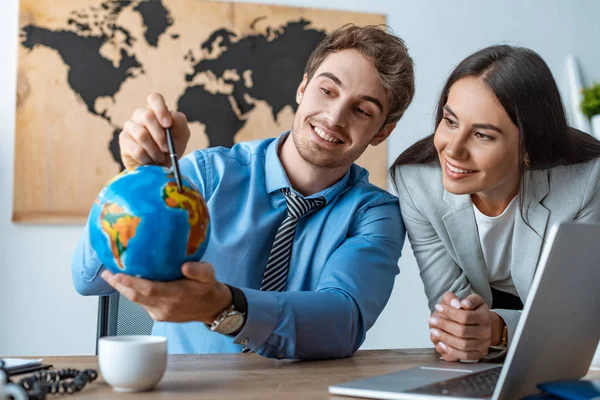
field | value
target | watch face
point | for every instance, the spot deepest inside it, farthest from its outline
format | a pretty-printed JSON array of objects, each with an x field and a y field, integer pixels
[{"x": 231, "y": 323}]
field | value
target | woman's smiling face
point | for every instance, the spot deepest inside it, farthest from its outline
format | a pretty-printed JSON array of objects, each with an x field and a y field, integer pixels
[{"x": 477, "y": 142}]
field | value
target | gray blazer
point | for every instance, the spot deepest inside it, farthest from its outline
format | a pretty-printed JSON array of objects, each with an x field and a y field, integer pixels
[{"x": 443, "y": 233}]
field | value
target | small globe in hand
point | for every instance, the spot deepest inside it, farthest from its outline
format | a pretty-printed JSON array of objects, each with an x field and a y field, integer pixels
[{"x": 142, "y": 226}]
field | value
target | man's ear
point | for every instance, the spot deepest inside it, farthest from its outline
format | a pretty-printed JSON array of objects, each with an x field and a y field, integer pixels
[
  {"x": 301, "y": 89},
  {"x": 383, "y": 134}
]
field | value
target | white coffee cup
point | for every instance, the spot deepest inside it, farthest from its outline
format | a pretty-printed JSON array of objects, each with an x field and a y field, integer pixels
[
  {"x": 596, "y": 360},
  {"x": 132, "y": 363}
]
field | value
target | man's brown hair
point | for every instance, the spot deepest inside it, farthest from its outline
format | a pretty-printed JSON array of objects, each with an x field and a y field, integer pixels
[{"x": 387, "y": 52}]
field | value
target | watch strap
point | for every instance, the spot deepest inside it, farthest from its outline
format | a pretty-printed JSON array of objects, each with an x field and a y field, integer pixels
[
  {"x": 504, "y": 338},
  {"x": 240, "y": 303}
]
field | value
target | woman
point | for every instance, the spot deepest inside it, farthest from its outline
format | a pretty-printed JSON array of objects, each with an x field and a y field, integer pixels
[{"x": 480, "y": 194}]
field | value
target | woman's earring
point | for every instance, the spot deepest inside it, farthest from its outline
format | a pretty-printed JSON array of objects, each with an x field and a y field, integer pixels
[{"x": 527, "y": 162}]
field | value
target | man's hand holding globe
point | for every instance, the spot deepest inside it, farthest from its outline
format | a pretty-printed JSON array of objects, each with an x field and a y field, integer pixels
[{"x": 196, "y": 295}]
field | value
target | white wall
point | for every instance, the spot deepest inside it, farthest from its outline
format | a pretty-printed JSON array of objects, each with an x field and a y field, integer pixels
[{"x": 40, "y": 313}]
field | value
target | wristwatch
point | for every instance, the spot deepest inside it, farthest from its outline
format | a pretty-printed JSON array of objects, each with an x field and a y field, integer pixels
[
  {"x": 504, "y": 338},
  {"x": 231, "y": 320}
]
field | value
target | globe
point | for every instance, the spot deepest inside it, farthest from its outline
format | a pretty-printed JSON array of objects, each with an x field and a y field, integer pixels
[{"x": 141, "y": 225}]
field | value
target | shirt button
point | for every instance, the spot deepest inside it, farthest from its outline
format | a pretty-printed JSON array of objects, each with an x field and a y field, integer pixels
[{"x": 245, "y": 341}]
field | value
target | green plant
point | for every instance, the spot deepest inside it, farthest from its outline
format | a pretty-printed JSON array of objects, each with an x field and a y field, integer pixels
[{"x": 590, "y": 105}]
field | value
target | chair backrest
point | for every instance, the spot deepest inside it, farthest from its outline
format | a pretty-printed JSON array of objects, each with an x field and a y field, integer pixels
[{"x": 118, "y": 316}]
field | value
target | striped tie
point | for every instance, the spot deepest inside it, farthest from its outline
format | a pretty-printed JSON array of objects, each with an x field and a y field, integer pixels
[
  {"x": 276, "y": 273},
  {"x": 275, "y": 276}
]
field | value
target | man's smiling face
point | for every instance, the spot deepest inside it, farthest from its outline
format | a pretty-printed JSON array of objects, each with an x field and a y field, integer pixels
[{"x": 341, "y": 111}]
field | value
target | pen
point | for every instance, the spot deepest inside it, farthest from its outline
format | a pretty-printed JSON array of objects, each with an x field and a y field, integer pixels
[{"x": 174, "y": 160}]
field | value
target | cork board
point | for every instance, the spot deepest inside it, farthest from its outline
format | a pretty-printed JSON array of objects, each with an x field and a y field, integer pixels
[{"x": 84, "y": 67}]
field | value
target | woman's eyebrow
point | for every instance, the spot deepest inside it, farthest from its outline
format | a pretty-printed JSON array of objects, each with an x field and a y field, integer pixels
[{"x": 480, "y": 125}]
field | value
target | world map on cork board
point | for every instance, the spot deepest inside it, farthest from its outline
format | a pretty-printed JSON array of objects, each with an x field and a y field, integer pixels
[{"x": 85, "y": 66}]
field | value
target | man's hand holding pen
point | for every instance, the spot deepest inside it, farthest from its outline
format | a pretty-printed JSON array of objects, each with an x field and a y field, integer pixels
[
  {"x": 198, "y": 296},
  {"x": 143, "y": 140}
]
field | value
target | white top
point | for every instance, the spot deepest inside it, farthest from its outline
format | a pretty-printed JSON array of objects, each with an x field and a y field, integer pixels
[{"x": 495, "y": 237}]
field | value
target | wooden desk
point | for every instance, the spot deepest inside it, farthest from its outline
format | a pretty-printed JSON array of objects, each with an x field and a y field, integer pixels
[{"x": 249, "y": 376}]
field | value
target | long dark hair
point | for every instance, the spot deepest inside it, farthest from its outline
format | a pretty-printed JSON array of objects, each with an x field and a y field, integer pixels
[{"x": 526, "y": 89}]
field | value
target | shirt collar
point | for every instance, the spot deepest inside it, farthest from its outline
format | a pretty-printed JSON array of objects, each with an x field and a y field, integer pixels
[{"x": 276, "y": 178}]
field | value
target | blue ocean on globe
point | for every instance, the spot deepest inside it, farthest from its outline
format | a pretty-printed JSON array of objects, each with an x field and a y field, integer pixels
[{"x": 141, "y": 225}]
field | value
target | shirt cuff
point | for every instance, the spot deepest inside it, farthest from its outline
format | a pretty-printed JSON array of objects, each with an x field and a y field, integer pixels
[
  {"x": 498, "y": 353},
  {"x": 86, "y": 267},
  {"x": 91, "y": 264},
  {"x": 511, "y": 319},
  {"x": 263, "y": 314}
]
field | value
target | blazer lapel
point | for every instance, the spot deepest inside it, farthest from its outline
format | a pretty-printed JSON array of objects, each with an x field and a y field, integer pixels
[
  {"x": 528, "y": 240},
  {"x": 462, "y": 231}
]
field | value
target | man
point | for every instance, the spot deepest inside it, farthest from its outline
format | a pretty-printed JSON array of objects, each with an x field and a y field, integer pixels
[{"x": 303, "y": 251}]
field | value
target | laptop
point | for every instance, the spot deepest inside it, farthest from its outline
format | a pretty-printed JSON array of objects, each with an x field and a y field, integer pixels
[{"x": 555, "y": 339}]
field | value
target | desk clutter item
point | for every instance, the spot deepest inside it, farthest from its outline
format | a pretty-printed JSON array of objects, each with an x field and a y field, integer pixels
[
  {"x": 10, "y": 390},
  {"x": 16, "y": 366},
  {"x": 542, "y": 396},
  {"x": 14, "y": 363},
  {"x": 573, "y": 390},
  {"x": 27, "y": 369},
  {"x": 39, "y": 385}
]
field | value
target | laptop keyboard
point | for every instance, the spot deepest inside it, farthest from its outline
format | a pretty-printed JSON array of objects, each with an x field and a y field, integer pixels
[{"x": 479, "y": 384}]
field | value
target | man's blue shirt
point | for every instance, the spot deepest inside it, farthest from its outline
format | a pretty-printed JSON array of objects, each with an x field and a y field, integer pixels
[{"x": 342, "y": 268}]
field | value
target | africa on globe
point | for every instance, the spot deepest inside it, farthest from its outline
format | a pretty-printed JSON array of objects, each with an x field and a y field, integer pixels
[{"x": 141, "y": 225}]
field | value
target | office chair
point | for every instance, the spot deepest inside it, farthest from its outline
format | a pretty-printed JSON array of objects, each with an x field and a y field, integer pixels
[{"x": 118, "y": 316}]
